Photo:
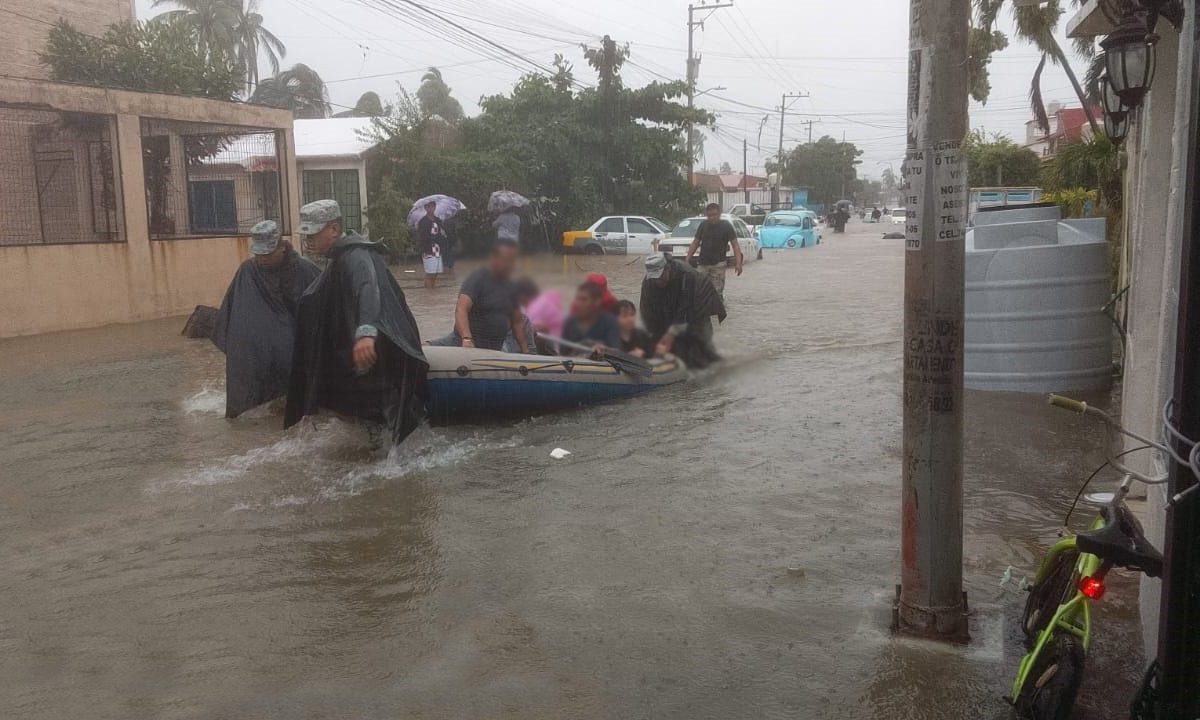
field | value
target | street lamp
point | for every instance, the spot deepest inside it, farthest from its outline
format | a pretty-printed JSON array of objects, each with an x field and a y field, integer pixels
[
  {"x": 1129, "y": 56},
  {"x": 1116, "y": 113}
]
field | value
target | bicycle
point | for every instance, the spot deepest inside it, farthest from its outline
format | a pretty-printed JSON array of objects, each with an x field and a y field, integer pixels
[{"x": 1057, "y": 619}]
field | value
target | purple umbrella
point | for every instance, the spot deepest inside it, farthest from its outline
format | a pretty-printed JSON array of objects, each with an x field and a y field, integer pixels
[{"x": 447, "y": 207}]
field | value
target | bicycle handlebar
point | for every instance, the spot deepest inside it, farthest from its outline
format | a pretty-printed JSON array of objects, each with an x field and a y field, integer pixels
[{"x": 1067, "y": 403}]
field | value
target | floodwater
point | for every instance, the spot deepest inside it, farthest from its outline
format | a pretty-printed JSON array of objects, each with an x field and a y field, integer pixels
[{"x": 723, "y": 549}]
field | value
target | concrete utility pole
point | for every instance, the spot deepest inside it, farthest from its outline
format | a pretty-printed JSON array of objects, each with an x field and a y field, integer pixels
[
  {"x": 693, "y": 73},
  {"x": 809, "y": 123},
  {"x": 745, "y": 167},
  {"x": 931, "y": 602},
  {"x": 783, "y": 107}
]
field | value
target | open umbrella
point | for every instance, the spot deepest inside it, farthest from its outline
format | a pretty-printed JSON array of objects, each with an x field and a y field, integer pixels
[
  {"x": 447, "y": 207},
  {"x": 502, "y": 200}
]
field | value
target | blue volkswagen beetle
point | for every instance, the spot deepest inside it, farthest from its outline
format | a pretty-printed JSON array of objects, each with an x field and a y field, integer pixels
[{"x": 789, "y": 229}]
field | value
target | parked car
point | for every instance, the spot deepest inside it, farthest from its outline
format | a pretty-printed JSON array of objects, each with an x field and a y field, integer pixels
[
  {"x": 899, "y": 216},
  {"x": 789, "y": 229},
  {"x": 681, "y": 237},
  {"x": 617, "y": 235}
]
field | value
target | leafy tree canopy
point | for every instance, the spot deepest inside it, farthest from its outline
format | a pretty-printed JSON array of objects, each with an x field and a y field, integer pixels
[
  {"x": 1092, "y": 163},
  {"x": 368, "y": 105},
  {"x": 150, "y": 57},
  {"x": 999, "y": 161},
  {"x": 433, "y": 98},
  {"x": 590, "y": 151},
  {"x": 299, "y": 89},
  {"x": 827, "y": 167}
]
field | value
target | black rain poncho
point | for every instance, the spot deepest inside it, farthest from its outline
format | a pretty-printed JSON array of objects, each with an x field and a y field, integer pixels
[
  {"x": 689, "y": 299},
  {"x": 357, "y": 291},
  {"x": 256, "y": 329}
]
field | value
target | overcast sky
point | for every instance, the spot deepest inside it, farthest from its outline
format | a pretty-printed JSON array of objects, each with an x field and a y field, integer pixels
[{"x": 849, "y": 56}]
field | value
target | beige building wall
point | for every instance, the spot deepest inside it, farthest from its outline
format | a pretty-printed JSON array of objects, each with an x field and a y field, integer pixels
[
  {"x": 27, "y": 22},
  {"x": 60, "y": 287}
]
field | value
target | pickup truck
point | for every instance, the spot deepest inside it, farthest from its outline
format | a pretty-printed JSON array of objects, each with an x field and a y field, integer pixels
[
  {"x": 751, "y": 214},
  {"x": 617, "y": 235}
]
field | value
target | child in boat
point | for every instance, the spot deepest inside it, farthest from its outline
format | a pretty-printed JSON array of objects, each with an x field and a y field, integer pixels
[
  {"x": 634, "y": 340},
  {"x": 590, "y": 324}
]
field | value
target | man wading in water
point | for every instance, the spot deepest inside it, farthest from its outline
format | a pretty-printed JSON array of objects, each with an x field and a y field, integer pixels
[
  {"x": 358, "y": 351},
  {"x": 714, "y": 236},
  {"x": 677, "y": 308},
  {"x": 256, "y": 325}
]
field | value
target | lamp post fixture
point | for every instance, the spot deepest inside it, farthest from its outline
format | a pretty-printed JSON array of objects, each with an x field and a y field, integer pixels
[
  {"x": 1116, "y": 113},
  {"x": 1129, "y": 56}
]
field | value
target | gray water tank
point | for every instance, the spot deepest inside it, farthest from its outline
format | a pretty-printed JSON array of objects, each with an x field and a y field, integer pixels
[{"x": 1035, "y": 287}]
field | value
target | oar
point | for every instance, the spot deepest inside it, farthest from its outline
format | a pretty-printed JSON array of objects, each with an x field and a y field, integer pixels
[{"x": 621, "y": 361}]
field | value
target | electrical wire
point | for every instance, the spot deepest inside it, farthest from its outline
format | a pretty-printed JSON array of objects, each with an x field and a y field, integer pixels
[{"x": 1106, "y": 463}]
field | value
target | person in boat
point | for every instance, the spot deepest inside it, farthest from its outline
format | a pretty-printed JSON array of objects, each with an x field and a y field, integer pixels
[
  {"x": 256, "y": 325},
  {"x": 591, "y": 324},
  {"x": 634, "y": 340},
  {"x": 431, "y": 236},
  {"x": 678, "y": 303},
  {"x": 714, "y": 236},
  {"x": 487, "y": 309},
  {"x": 526, "y": 291},
  {"x": 358, "y": 350}
]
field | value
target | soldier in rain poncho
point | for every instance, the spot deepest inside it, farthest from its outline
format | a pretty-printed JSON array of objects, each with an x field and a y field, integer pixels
[
  {"x": 358, "y": 351},
  {"x": 678, "y": 303},
  {"x": 256, "y": 325}
]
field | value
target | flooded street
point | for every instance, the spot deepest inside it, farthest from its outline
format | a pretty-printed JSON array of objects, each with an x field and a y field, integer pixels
[{"x": 725, "y": 548}]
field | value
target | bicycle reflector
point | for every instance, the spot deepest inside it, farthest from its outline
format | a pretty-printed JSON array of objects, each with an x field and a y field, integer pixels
[{"x": 1092, "y": 587}]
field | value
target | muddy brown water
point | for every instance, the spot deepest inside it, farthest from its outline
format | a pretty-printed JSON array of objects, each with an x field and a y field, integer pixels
[{"x": 159, "y": 561}]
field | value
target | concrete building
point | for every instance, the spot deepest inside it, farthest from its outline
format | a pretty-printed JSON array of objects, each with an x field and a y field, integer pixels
[
  {"x": 117, "y": 206},
  {"x": 1156, "y": 152},
  {"x": 1066, "y": 124},
  {"x": 27, "y": 22},
  {"x": 332, "y": 155}
]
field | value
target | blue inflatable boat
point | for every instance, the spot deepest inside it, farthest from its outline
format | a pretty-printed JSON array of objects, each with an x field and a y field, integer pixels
[{"x": 474, "y": 384}]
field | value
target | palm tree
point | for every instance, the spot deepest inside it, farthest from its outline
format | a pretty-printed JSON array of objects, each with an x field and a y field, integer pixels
[
  {"x": 1036, "y": 25},
  {"x": 212, "y": 22},
  {"x": 434, "y": 97},
  {"x": 299, "y": 89},
  {"x": 227, "y": 31},
  {"x": 251, "y": 38}
]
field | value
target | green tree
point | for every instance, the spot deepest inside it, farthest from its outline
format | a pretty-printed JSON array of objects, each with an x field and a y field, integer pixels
[
  {"x": 227, "y": 30},
  {"x": 1036, "y": 23},
  {"x": 1092, "y": 163},
  {"x": 434, "y": 97},
  {"x": 299, "y": 89},
  {"x": 252, "y": 39},
  {"x": 999, "y": 161},
  {"x": 369, "y": 105},
  {"x": 150, "y": 57},
  {"x": 828, "y": 167},
  {"x": 213, "y": 24}
]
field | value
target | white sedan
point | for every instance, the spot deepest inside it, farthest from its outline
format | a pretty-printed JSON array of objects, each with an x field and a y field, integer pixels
[
  {"x": 899, "y": 216},
  {"x": 617, "y": 235},
  {"x": 681, "y": 238}
]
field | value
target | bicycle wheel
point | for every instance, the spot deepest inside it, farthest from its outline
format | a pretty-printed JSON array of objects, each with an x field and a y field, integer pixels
[
  {"x": 1050, "y": 690},
  {"x": 1045, "y": 597}
]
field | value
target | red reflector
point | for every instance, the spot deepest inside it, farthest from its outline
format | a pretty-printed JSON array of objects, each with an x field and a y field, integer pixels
[{"x": 1092, "y": 587}]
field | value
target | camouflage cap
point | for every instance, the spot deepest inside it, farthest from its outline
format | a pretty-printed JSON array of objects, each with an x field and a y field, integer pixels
[
  {"x": 317, "y": 214},
  {"x": 264, "y": 237}
]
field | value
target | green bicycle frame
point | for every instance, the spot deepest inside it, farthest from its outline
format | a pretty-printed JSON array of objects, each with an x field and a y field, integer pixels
[{"x": 1073, "y": 616}]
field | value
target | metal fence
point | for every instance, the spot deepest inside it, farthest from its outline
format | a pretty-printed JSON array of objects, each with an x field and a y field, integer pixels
[
  {"x": 205, "y": 180},
  {"x": 57, "y": 183}
]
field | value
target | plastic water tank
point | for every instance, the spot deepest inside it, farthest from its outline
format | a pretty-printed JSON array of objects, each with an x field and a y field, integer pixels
[{"x": 1035, "y": 287}]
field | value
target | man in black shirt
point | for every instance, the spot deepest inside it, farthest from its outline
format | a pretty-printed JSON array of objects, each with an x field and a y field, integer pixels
[
  {"x": 487, "y": 308},
  {"x": 432, "y": 238},
  {"x": 713, "y": 238}
]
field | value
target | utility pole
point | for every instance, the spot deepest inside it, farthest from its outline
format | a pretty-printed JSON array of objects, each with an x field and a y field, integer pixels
[
  {"x": 745, "y": 167},
  {"x": 930, "y": 602},
  {"x": 693, "y": 73},
  {"x": 783, "y": 107},
  {"x": 809, "y": 123}
]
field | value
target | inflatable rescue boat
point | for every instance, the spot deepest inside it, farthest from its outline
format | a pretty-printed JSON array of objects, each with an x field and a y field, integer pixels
[{"x": 469, "y": 383}]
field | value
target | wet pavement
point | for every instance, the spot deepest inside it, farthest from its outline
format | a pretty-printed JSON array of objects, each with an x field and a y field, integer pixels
[{"x": 726, "y": 548}]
